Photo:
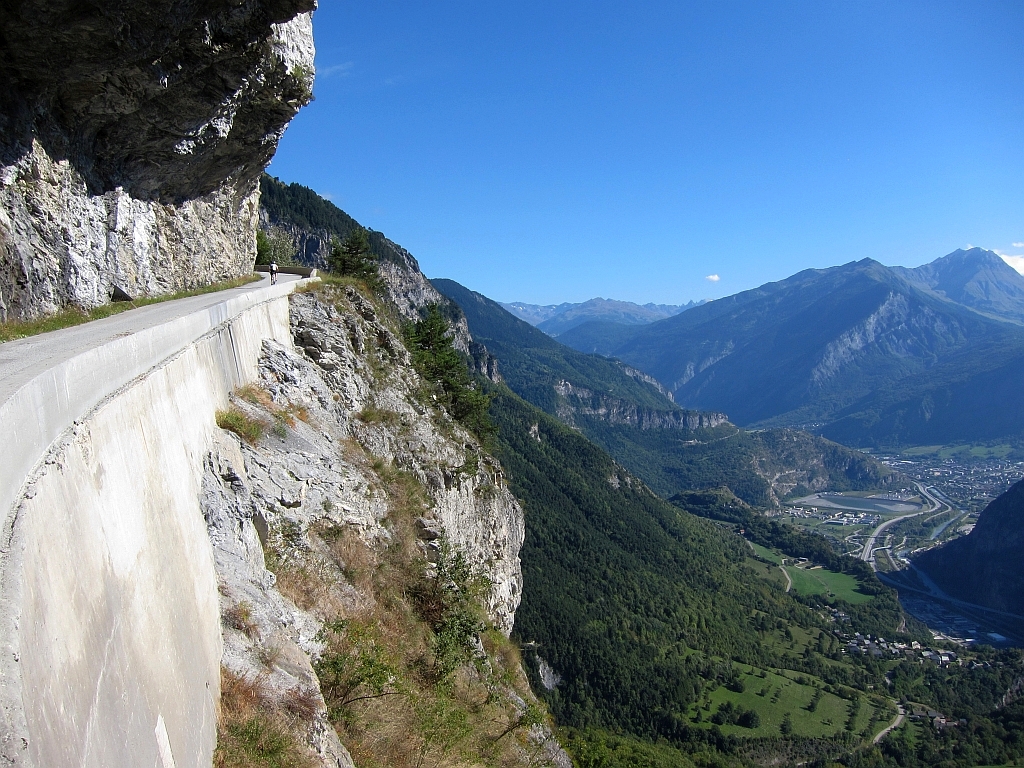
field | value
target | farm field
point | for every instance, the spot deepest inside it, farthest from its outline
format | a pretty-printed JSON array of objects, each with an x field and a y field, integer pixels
[{"x": 766, "y": 553}]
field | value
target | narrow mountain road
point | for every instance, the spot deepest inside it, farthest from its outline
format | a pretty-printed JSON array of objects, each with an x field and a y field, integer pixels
[
  {"x": 22, "y": 359},
  {"x": 867, "y": 554},
  {"x": 892, "y": 726},
  {"x": 49, "y": 381},
  {"x": 789, "y": 581}
]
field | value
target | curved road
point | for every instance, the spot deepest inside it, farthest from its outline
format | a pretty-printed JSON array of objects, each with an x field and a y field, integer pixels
[
  {"x": 22, "y": 359},
  {"x": 49, "y": 381},
  {"x": 867, "y": 554},
  {"x": 892, "y": 726}
]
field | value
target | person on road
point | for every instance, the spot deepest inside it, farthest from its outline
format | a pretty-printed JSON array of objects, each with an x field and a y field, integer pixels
[{"x": 273, "y": 273}]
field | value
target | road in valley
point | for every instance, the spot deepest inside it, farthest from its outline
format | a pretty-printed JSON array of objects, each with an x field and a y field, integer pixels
[{"x": 867, "y": 554}]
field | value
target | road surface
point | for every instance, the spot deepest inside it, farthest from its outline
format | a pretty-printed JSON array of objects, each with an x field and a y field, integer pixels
[
  {"x": 892, "y": 726},
  {"x": 23, "y": 359},
  {"x": 867, "y": 553},
  {"x": 789, "y": 581}
]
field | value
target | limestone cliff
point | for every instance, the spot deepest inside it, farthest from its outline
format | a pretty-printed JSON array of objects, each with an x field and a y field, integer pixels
[
  {"x": 576, "y": 400},
  {"x": 132, "y": 137},
  {"x": 358, "y": 478}
]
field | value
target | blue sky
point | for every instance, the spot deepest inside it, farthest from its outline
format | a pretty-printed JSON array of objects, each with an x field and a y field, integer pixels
[{"x": 548, "y": 152}]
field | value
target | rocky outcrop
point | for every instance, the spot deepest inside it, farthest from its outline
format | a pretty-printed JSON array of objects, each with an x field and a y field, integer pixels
[
  {"x": 580, "y": 401},
  {"x": 308, "y": 477},
  {"x": 133, "y": 137},
  {"x": 984, "y": 566},
  {"x": 345, "y": 418},
  {"x": 633, "y": 373}
]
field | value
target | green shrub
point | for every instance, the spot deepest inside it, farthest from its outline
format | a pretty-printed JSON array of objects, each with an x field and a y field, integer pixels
[
  {"x": 351, "y": 257},
  {"x": 437, "y": 361},
  {"x": 243, "y": 425},
  {"x": 451, "y": 604}
]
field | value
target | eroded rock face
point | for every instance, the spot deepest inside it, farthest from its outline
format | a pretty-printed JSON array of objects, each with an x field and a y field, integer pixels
[
  {"x": 351, "y": 397},
  {"x": 132, "y": 136},
  {"x": 584, "y": 402}
]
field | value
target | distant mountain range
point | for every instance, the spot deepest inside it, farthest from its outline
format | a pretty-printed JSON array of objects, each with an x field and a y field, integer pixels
[
  {"x": 669, "y": 448},
  {"x": 554, "y": 319},
  {"x": 869, "y": 354}
]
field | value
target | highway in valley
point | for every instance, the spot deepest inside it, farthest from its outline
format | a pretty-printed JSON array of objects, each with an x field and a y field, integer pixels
[{"x": 867, "y": 554}]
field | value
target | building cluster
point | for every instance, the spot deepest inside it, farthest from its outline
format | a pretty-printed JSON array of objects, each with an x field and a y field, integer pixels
[
  {"x": 828, "y": 516},
  {"x": 968, "y": 483},
  {"x": 880, "y": 648},
  {"x": 937, "y": 719}
]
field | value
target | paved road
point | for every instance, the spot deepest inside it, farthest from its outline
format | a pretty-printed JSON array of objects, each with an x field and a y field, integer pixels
[
  {"x": 867, "y": 553},
  {"x": 893, "y": 725},
  {"x": 789, "y": 581},
  {"x": 22, "y": 359},
  {"x": 49, "y": 381}
]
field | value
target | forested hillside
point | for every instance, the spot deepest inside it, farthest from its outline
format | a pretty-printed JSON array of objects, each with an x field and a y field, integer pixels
[
  {"x": 644, "y": 610},
  {"x": 762, "y": 468}
]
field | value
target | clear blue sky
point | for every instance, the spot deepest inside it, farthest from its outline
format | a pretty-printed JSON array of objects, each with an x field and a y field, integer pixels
[{"x": 549, "y": 152}]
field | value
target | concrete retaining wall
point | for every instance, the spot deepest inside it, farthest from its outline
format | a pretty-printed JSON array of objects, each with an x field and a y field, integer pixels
[{"x": 110, "y": 639}]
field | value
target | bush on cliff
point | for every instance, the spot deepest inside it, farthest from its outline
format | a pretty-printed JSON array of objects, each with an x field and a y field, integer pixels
[{"x": 437, "y": 361}]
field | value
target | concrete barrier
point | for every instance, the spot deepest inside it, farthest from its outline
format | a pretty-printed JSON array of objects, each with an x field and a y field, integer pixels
[
  {"x": 110, "y": 637},
  {"x": 300, "y": 271}
]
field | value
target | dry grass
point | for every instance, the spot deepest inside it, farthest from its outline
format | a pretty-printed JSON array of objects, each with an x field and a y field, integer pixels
[
  {"x": 392, "y": 700},
  {"x": 374, "y": 415},
  {"x": 239, "y": 617},
  {"x": 259, "y": 396},
  {"x": 354, "y": 556},
  {"x": 254, "y": 731}
]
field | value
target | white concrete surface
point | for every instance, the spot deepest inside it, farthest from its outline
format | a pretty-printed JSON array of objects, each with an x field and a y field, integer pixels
[{"x": 110, "y": 638}]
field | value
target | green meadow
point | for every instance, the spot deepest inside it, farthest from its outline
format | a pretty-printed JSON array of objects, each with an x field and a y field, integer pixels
[{"x": 821, "y": 581}]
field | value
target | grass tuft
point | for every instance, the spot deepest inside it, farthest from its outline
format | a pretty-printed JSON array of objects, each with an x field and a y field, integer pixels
[
  {"x": 253, "y": 731},
  {"x": 243, "y": 425}
]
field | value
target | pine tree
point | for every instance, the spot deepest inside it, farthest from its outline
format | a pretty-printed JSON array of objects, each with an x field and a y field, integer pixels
[{"x": 352, "y": 257}]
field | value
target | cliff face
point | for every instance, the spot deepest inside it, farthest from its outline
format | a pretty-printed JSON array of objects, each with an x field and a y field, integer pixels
[
  {"x": 133, "y": 137},
  {"x": 584, "y": 402},
  {"x": 329, "y": 530},
  {"x": 984, "y": 566}
]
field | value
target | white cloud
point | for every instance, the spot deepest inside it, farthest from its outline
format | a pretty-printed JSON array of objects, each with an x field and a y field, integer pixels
[
  {"x": 336, "y": 70},
  {"x": 1017, "y": 262},
  {"x": 1018, "y": 245},
  {"x": 713, "y": 278}
]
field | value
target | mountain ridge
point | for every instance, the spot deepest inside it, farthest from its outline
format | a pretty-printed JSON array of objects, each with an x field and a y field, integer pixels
[
  {"x": 554, "y": 319},
  {"x": 859, "y": 343},
  {"x": 668, "y": 447}
]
